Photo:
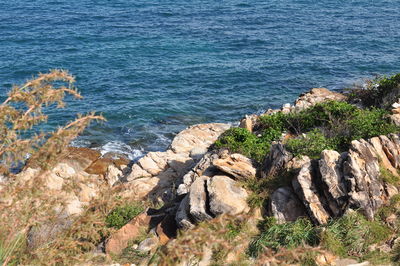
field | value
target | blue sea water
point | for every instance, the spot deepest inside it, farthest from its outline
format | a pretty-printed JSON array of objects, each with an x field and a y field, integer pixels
[{"x": 154, "y": 67}]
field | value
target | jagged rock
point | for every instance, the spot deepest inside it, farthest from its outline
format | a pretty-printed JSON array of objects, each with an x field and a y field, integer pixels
[
  {"x": 304, "y": 186},
  {"x": 198, "y": 200},
  {"x": 226, "y": 196},
  {"x": 383, "y": 159},
  {"x": 120, "y": 239},
  {"x": 276, "y": 160},
  {"x": 139, "y": 188},
  {"x": 316, "y": 95},
  {"x": 236, "y": 165},
  {"x": 395, "y": 119},
  {"x": 391, "y": 152},
  {"x": 182, "y": 215},
  {"x": 202, "y": 135},
  {"x": 331, "y": 169},
  {"x": 203, "y": 168},
  {"x": 286, "y": 206},
  {"x": 362, "y": 173}
]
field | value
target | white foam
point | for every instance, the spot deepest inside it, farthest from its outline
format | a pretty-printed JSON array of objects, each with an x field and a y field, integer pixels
[{"x": 120, "y": 147}]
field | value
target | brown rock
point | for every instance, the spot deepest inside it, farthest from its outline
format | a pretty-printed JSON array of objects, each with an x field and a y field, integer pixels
[
  {"x": 248, "y": 122},
  {"x": 99, "y": 167},
  {"x": 119, "y": 240},
  {"x": 317, "y": 95}
]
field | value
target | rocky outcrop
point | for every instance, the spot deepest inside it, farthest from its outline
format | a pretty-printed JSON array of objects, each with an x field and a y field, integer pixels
[
  {"x": 335, "y": 183},
  {"x": 157, "y": 171},
  {"x": 316, "y": 95}
]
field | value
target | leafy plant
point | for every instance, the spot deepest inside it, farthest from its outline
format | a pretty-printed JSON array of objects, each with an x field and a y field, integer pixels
[{"x": 122, "y": 215}]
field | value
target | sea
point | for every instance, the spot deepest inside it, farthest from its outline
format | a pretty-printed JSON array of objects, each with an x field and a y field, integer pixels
[{"x": 154, "y": 67}]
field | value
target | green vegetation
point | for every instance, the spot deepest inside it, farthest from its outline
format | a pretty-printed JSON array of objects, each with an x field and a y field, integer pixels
[
  {"x": 328, "y": 125},
  {"x": 122, "y": 215},
  {"x": 348, "y": 236},
  {"x": 388, "y": 176},
  {"x": 288, "y": 235},
  {"x": 375, "y": 90}
]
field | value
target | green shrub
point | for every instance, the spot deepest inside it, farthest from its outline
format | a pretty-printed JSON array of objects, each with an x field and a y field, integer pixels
[
  {"x": 311, "y": 144},
  {"x": 286, "y": 235},
  {"x": 352, "y": 234},
  {"x": 122, "y": 215},
  {"x": 242, "y": 141}
]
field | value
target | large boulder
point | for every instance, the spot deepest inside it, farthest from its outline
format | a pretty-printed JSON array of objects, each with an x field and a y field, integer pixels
[
  {"x": 198, "y": 200},
  {"x": 276, "y": 160},
  {"x": 226, "y": 196}
]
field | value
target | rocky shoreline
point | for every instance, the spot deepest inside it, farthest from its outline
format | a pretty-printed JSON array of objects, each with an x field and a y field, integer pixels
[{"x": 194, "y": 182}]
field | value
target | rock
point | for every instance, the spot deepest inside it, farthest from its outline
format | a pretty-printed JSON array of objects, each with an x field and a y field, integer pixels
[
  {"x": 99, "y": 167},
  {"x": 53, "y": 181},
  {"x": 202, "y": 135},
  {"x": 226, "y": 196},
  {"x": 383, "y": 159},
  {"x": 306, "y": 190},
  {"x": 113, "y": 175},
  {"x": 391, "y": 151},
  {"x": 285, "y": 206},
  {"x": 276, "y": 160},
  {"x": 317, "y": 95},
  {"x": 395, "y": 119},
  {"x": 203, "y": 168},
  {"x": 140, "y": 188},
  {"x": 182, "y": 215},
  {"x": 248, "y": 122},
  {"x": 198, "y": 200},
  {"x": 120, "y": 239},
  {"x": 148, "y": 244},
  {"x": 64, "y": 170},
  {"x": 331, "y": 169},
  {"x": 236, "y": 165},
  {"x": 396, "y": 111},
  {"x": 362, "y": 174}
]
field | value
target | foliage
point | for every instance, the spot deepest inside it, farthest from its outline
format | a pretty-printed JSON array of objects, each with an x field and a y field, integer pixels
[
  {"x": 122, "y": 215},
  {"x": 352, "y": 234},
  {"x": 8, "y": 249},
  {"x": 288, "y": 235},
  {"x": 388, "y": 176},
  {"x": 22, "y": 112},
  {"x": 310, "y": 144},
  {"x": 242, "y": 141},
  {"x": 374, "y": 90},
  {"x": 327, "y": 125}
]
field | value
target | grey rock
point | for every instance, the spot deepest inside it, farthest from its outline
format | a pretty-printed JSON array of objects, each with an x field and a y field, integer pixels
[
  {"x": 148, "y": 244},
  {"x": 198, "y": 200},
  {"x": 236, "y": 165},
  {"x": 331, "y": 169},
  {"x": 285, "y": 206},
  {"x": 182, "y": 215},
  {"x": 276, "y": 160}
]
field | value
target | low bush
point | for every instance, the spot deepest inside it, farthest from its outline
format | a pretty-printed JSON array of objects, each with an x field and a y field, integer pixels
[
  {"x": 242, "y": 141},
  {"x": 122, "y": 215}
]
